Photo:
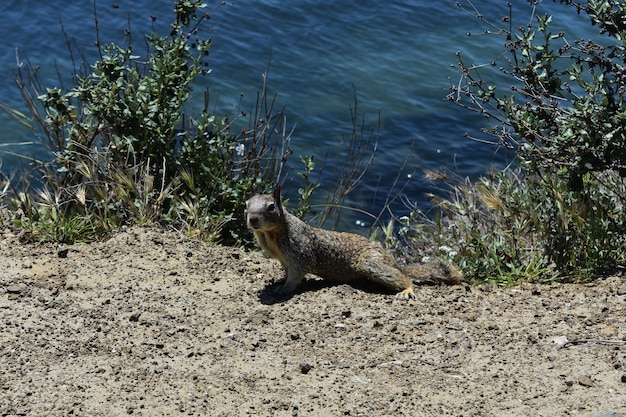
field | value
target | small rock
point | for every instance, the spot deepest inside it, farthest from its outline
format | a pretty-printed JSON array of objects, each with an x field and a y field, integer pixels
[
  {"x": 623, "y": 379},
  {"x": 560, "y": 340},
  {"x": 62, "y": 252},
  {"x": 585, "y": 381},
  {"x": 305, "y": 367},
  {"x": 465, "y": 342},
  {"x": 14, "y": 289},
  {"x": 259, "y": 317},
  {"x": 431, "y": 337},
  {"x": 135, "y": 317}
]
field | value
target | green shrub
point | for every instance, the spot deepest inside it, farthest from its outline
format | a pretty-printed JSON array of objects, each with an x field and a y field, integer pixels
[
  {"x": 513, "y": 225},
  {"x": 129, "y": 149},
  {"x": 562, "y": 213}
]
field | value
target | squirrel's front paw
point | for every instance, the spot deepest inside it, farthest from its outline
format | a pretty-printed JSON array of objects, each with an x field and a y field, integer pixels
[{"x": 406, "y": 294}]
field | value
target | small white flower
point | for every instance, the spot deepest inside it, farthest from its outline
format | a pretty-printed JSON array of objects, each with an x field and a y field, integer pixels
[{"x": 240, "y": 149}]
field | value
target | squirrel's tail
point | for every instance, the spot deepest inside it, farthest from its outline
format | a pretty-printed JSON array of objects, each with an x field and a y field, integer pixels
[{"x": 434, "y": 272}]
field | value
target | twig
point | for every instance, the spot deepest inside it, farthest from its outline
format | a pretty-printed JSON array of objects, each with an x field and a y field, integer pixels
[{"x": 603, "y": 341}]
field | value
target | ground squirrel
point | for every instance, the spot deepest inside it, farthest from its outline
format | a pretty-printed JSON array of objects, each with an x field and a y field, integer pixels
[{"x": 334, "y": 256}]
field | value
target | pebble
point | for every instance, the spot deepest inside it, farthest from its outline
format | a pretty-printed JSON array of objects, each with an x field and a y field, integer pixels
[
  {"x": 305, "y": 368},
  {"x": 14, "y": 289},
  {"x": 260, "y": 317},
  {"x": 431, "y": 337},
  {"x": 585, "y": 381}
]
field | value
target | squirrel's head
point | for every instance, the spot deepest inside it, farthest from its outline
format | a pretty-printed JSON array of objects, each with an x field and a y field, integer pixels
[{"x": 264, "y": 211}]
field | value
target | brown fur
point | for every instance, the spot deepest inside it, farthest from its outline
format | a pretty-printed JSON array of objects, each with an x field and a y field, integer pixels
[{"x": 334, "y": 256}]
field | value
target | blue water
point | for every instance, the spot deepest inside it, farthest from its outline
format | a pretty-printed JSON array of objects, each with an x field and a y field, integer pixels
[{"x": 397, "y": 54}]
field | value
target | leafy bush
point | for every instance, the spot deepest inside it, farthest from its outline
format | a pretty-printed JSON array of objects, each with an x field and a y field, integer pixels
[
  {"x": 562, "y": 212},
  {"x": 512, "y": 225},
  {"x": 128, "y": 149},
  {"x": 126, "y": 152}
]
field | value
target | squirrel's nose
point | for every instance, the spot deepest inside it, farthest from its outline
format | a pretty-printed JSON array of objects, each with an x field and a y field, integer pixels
[{"x": 254, "y": 222}]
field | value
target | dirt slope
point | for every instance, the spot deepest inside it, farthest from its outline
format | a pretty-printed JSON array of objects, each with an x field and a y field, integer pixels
[{"x": 149, "y": 323}]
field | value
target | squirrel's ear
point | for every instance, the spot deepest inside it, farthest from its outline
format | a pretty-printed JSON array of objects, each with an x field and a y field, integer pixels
[
  {"x": 277, "y": 199},
  {"x": 276, "y": 193}
]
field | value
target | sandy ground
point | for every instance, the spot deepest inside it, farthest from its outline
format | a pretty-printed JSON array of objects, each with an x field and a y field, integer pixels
[{"x": 149, "y": 323}]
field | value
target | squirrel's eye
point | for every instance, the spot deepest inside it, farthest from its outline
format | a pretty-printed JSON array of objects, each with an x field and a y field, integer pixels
[{"x": 271, "y": 207}]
